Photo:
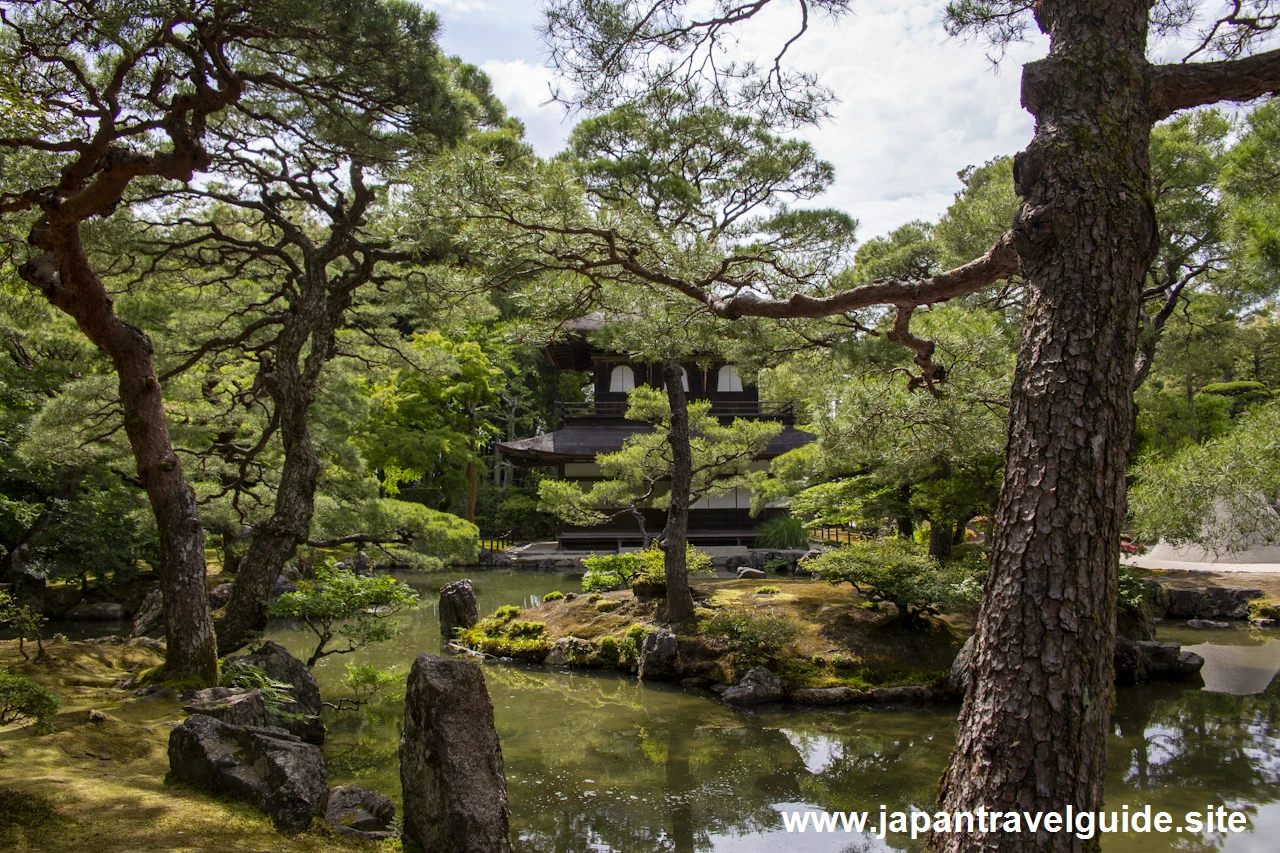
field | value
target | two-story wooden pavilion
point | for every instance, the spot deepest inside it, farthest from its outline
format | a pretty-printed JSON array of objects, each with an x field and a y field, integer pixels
[{"x": 600, "y": 426}]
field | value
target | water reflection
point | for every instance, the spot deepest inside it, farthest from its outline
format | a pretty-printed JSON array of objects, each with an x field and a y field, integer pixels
[{"x": 597, "y": 763}]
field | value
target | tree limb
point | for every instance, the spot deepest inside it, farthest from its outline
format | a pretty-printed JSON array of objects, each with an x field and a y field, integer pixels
[{"x": 1183, "y": 86}]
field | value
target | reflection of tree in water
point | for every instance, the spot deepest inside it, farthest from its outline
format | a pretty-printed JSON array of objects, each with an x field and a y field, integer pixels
[{"x": 1181, "y": 750}]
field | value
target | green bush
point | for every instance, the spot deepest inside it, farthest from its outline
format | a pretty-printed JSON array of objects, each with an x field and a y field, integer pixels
[
  {"x": 554, "y": 595},
  {"x": 609, "y": 572},
  {"x": 753, "y": 637},
  {"x": 609, "y": 649},
  {"x": 525, "y": 628},
  {"x": 633, "y": 640},
  {"x": 24, "y": 621},
  {"x": 778, "y": 566},
  {"x": 783, "y": 533},
  {"x": 23, "y": 699},
  {"x": 896, "y": 571},
  {"x": 338, "y": 604},
  {"x": 506, "y": 613},
  {"x": 767, "y": 590},
  {"x": 1132, "y": 590},
  {"x": 620, "y": 571}
]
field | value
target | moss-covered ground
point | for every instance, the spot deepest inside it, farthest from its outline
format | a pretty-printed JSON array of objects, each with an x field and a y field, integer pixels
[
  {"x": 99, "y": 787},
  {"x": 817, "y": 635}
]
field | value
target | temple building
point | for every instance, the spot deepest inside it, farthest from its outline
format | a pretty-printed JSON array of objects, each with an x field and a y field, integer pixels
[{"x": 600, "y": 426}]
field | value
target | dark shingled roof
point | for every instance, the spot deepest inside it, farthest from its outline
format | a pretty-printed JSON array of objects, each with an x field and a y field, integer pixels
[{"x": 581, "y": 443}]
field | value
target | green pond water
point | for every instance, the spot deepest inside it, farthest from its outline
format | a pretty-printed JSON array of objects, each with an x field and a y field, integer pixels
[{"x": 596, "y": 762}]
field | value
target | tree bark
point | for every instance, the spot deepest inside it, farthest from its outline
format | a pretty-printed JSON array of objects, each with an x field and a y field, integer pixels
[
  {"x": 940, "y": 531},
  {"x": 70, "y": 283},
  {"x": 304, "y": 347},
  {"x": 1033, "y": 731},
  {"x": 676, "y": 536}
]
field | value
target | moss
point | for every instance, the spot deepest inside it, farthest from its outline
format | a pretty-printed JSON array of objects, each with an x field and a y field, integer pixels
[
  {"x": 100, "y": 785},
  {"x": 1264, "y": 608}
]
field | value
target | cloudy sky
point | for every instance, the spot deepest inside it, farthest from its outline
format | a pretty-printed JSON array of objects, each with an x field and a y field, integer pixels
[{"x": 915, "y": 107}]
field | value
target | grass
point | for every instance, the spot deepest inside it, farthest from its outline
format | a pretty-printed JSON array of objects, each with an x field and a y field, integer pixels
[{"x": 100, "y": 786}]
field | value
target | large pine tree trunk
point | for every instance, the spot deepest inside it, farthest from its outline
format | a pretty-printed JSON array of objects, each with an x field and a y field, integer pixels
[
  {"x": 676, "y": 535},
  {"x": 1033, "y": 731},
  {"x": 70, "y": 283}
]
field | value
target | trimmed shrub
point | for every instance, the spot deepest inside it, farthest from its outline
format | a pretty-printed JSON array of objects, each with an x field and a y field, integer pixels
[
  {"x": 554, "y": 595},
  {"x": 897, "y": 571},
  {"x": 767, "y": 590},
  {"x": 23, "y": 699}
]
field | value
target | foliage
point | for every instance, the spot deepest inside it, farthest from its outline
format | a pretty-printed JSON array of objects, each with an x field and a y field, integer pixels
[
  {"x": 554, "y": 595},
  {"x": 609, "y": 572},
  {"x": 502, "y": 634},
  {"x": 609, "y": 650},
  {"x": 1132, "y": 590},
  {"x": 275, "y": 694},
  {"x": 24, "y": 621},
  {"x": 753, "y": 637},
  {"x": 339, "y": 604},
  {"x": 23, "y": 699},
  {"x": 782, "y": 533},
  {"x": 1221, "y": 495},
  {"x": 633, "y": 640},
  {"x": 896, "y": 571},
  {"x": 767, "y": 590},
  {"x": 368, "y": 682}
]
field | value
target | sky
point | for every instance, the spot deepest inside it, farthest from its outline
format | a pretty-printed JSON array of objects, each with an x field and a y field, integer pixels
[{"x": 915, "y": 106}]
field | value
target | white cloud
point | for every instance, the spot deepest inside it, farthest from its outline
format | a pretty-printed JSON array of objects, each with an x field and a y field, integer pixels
[
  {"x": 526, "y": 88},
  {"x": 915, "y": 107}
]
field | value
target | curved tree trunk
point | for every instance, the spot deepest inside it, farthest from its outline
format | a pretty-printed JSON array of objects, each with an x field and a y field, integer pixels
[
  {"x": 70, "y": 283},
  {"x": 676, "y": 536},
  {"x": 1033, "y": 731},
  {"x": 291, "y": 380}
]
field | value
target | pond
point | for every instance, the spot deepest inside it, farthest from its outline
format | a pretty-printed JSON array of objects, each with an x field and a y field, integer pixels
[{"x": 596, "y": 762}]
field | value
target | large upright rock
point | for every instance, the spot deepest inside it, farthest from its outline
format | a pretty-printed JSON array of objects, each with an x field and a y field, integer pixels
[
  {"x": 451, "y": 775},
  {"x": 269, "y": 768},
  {"x": 458, "y": 607},
  {"x": 303, "y": 713},
  {"x": 758, "y": 685},
  {"x": 149, "y": 620},
  {"x": 659, "y": 656},
  {"x": 958, "y": 678}
]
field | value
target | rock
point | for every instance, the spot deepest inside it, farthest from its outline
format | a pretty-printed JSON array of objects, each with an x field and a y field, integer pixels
[
  {"x": 570, "y": 651},
  {"x": 646, "y": 590},
  {"x": 830, "y": 696},
  {"x": 362, "y": 565},
  {"x": 269, "y": 768},
  {"x": 458, "y": 608},
  {"x": 102, "y": 611},
  {"x": 1228, "y": 602},
  {"x": 233, "y": 705},
  {"x": 282, "y": 586},
  {"x": 359, "y": 813},
  {"x": 758, "y": 685},
  {"x": 1157, "y": 597},
  {"x": 958, "y": 679},
  {"x": 97, "y": 717},
  {"x": 750, "y": 574},
  {"x": 902, "y": 694},
  {"x": 275, "y": 660},
  {"x": 694, "y": 682},
  {"x": 659, "y": 656},
  {"x": 719, "y": 689},
  {"x": 1208, "y": 624},
  {"x": 219, "y": 596},
  {"x": 149, "y": 620},
  {"x": 451, "y": 773},
  {"x": 1187, "y": 603},
  {"x": 1129, "y": 662},
  {"x": 1137, "y": 623},
  {"x": 1263, "y": 623},
  {"x": 1168, "y": 660}
]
